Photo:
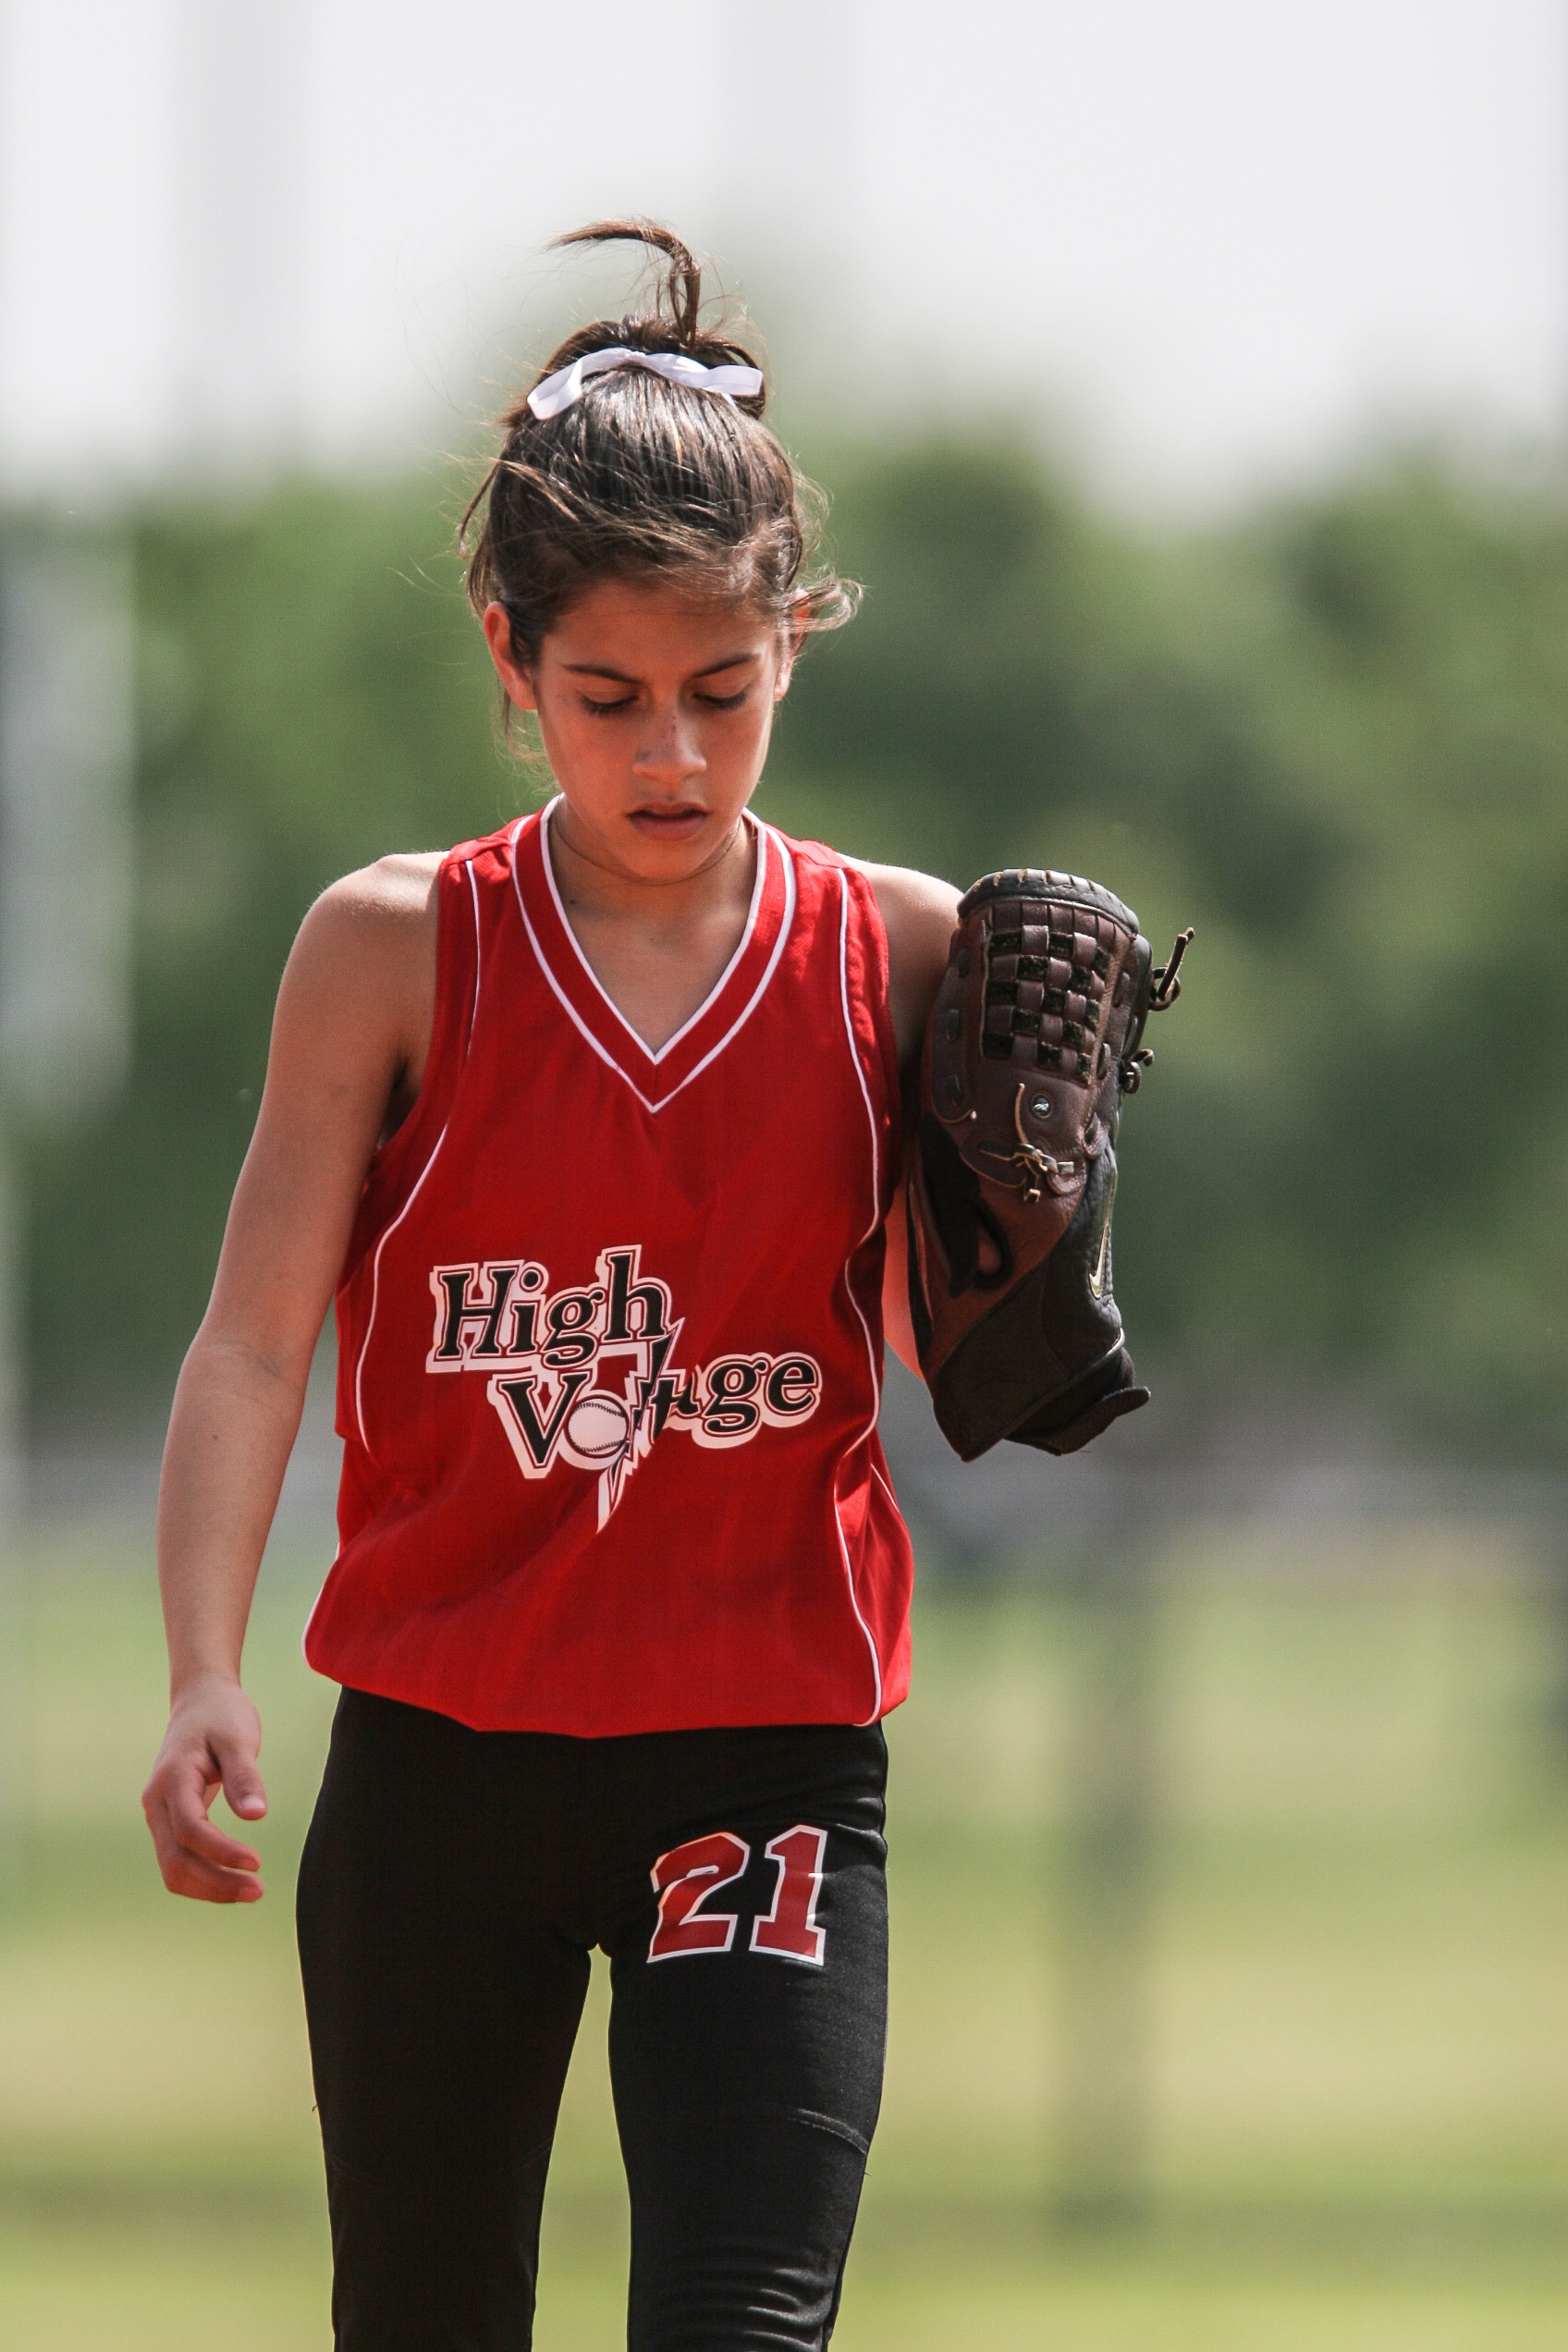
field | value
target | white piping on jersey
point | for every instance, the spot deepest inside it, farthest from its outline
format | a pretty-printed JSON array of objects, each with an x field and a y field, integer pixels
[
  {"x": 544, "y": 962},
  {"x": 766, "y": 836},
  {"x": 719, "y": 984},
  {"x": 375, "y": 1262},
  {"x": 875, "y": 1220}
]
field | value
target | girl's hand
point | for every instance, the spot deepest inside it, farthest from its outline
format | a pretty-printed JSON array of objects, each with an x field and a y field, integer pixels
[{"x": 212, "y": 1740}]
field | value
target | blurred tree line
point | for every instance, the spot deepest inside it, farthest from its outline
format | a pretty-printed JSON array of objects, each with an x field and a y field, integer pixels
[{"x": 1334, "y": 735}]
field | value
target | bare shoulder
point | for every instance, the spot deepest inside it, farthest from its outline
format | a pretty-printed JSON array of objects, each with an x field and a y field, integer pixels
[
  {"x": 372, "y": 921},
  {"x": 918, "y": 913},
  {"x": 918, "y": 910},
  {"x": 361, "y": 977},
  {"x": 397, "y": 893}
]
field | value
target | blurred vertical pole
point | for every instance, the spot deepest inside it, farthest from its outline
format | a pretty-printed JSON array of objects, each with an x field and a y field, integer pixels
[
  {"x": 1105, "y": 1890},
  {"x": 65, "y": 752},
  {"x": 242, "y": 84},
  {"x": 66, "y": 759}
]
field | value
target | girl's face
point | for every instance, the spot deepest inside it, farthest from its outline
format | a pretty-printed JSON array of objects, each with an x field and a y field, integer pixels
[{"x": 656, "y": 711}]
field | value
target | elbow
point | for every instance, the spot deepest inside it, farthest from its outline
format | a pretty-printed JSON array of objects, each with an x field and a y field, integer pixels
[{"x": 253, "y": 1363}]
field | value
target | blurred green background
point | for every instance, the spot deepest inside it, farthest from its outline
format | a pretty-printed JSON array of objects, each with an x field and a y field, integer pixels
[
  {"x": 1231, "y": 1886},
  {"x": 1334, "y": 735}
]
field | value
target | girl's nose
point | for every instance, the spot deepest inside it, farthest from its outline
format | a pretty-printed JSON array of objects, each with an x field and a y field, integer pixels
[{"x": 670, "y": 755}]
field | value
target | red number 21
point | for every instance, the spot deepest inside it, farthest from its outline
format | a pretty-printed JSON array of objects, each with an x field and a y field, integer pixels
[
  {"x": 791, "y": 1929},
  {"x": 686, "y": 1876}
]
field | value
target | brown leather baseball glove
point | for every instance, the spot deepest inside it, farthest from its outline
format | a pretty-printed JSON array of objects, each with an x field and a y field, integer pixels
[{"x": 1035, "y": 1038}]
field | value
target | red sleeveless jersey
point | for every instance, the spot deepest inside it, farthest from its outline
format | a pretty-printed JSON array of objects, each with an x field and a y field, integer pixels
[{"x": 610, "y": 1335}]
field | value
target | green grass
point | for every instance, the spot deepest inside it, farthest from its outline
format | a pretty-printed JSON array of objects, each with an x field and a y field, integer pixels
[
  {"x": 172, "y": 2288},
  {"x": 1351, "y": 2127}
]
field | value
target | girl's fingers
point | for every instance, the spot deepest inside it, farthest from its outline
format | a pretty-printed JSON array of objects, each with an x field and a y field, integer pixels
[
  {"x": 208, "y": 1875},
  {"x": 200, "y": 1837},
  {"x": 196, "y": 1835},
  {"x": 183, "y": 1799},
  {"x": 186, "y": 1873}
]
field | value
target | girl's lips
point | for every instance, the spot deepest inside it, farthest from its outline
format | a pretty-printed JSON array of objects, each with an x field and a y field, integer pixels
[{"x": 670, "y": 825}]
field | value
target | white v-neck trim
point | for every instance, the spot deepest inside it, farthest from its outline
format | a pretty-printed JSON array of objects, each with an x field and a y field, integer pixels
[
  {"x": 596, "y": 1044},
  {"x": 761, "y": 833}
]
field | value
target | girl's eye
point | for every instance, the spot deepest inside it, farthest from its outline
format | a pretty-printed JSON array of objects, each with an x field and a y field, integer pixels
[
  {"x": 724, "y": 702},
  {"x": 602, "y": 710}
]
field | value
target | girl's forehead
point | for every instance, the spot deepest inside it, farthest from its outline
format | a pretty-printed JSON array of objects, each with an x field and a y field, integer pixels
[{"x": 656, "y": 621}]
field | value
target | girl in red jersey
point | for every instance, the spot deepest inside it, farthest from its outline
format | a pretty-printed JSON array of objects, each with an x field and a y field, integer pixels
[{"x": 593, "y": 1128}]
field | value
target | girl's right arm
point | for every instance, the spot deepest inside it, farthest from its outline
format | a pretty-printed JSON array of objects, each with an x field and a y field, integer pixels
[{"x": 348, "y": 1044}]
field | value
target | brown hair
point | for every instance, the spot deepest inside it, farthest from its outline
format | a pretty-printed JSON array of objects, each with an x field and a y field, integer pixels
[{"x": 641, "y": 477}]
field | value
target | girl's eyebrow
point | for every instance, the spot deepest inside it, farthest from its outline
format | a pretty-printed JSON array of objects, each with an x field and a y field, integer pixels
[
  {"x": 602, "y": 670},
  {"x": 730, "y": 661}
]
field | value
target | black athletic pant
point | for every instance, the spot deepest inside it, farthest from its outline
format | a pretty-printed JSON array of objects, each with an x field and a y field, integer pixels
[{"x": 452, "y": 1887}]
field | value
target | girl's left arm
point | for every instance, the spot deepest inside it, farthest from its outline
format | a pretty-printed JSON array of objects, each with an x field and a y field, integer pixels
[{"x": 918, "y": 914}]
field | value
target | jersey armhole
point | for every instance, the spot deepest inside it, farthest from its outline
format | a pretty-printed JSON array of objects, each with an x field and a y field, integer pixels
[{"x": 878, "y": 997}]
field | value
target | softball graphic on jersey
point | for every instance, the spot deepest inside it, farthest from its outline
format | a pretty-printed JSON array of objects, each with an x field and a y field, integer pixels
[
  {"x": 599, "y": 1428},
  {"x": 550, "y": 1356}
]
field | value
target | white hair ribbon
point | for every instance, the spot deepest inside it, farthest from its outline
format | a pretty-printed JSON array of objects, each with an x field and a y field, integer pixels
[{"x": 565, "y": 386}]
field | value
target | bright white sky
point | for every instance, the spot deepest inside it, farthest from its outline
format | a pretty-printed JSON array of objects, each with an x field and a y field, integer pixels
[{"x": 1218, "y": 242}]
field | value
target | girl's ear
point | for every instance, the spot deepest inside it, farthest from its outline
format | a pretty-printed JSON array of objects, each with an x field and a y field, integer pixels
[{"x": 517, "y": 681}]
